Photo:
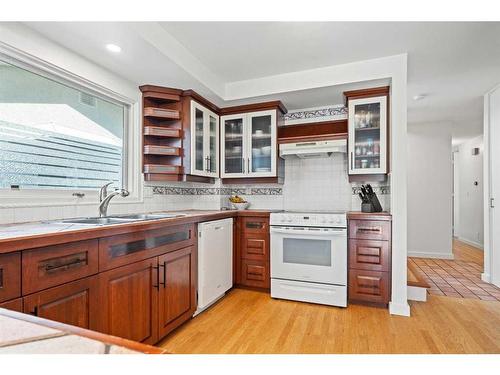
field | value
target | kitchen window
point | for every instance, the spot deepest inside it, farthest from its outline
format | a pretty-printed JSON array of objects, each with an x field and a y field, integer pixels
[{"x": 57, "y": 135}]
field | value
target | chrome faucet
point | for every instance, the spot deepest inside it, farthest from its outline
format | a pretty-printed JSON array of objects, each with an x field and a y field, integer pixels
[{"x": 104, "y": 198}]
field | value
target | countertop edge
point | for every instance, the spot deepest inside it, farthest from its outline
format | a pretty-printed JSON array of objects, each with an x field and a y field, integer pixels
[{"x": 18, "y": 243}]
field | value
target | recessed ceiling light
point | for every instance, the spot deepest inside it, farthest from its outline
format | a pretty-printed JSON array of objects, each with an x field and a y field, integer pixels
[
  {"x": 113, "y": 48},
  {"x": 419, "y": 97}
]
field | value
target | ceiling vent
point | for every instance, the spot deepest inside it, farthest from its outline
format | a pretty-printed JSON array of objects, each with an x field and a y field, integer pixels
[{"x": 87, "y": 99}]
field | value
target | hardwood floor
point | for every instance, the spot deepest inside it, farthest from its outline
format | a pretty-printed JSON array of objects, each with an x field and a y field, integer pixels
[
  {"x": 467, "y": 253},
  {"x": 252, "y": 322}
]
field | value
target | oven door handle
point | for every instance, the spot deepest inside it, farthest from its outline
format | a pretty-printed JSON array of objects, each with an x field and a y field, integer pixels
[{"x": 309, "y": 232}]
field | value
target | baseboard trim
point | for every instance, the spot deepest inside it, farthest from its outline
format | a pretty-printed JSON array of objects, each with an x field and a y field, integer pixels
[
  {"x": 472, "y": 243},
  {"x": 417, "y": 254},
  {"x": 486, "y": 277},
  {"x": 402, "y": 309},
  {"x": 416, "y": 293}
]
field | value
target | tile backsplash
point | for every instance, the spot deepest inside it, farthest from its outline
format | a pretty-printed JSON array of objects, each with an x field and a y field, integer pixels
[{"x": 310, "y": 184}]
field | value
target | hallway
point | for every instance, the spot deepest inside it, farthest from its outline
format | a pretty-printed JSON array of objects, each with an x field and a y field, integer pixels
[{"x": 460, "y": 278}]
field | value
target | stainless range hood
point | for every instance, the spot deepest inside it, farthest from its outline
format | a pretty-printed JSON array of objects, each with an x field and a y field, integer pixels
[{"x": 313, "y": 149}]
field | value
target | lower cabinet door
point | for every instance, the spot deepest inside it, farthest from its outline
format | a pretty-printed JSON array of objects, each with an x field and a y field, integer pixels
[
  {"x": 255, "y": 274},
  {"x": 128, "y": 301},
  {"x": 177, "y": 297},
  {"x": 369, "y": 286},
  {"x": 15, "y": 305},
  {"x": 74, "y": 303}
]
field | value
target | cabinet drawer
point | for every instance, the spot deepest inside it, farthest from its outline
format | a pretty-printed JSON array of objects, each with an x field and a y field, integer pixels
[
  {"x": 10, "y": 276},
  {"x": 15, "y": 305},
  {"x": 255, "y": 225},
  {"x": 369, "y": 286},
  {"x": 369, "y": 255},
  {"x": 255, "y": 273},
  {"x": 370, "y": 229},
  {"x": 54, "y": 265},
  {"x": 255, "y": 247},
  {"x": 127, "y": 248}
]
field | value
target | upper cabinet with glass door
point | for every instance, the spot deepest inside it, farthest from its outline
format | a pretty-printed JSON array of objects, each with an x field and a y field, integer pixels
[
  {"x": 249, "y": 145},
  {"x": 368, "y": 135},
  {"x": 204, "y": 141}
]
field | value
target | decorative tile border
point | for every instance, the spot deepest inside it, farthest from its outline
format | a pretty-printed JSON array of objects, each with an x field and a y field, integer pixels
[
  {"x": 174, "y": 190},
  {"x": 335, "y": 112},
  {"x": 382, "y": 190}
]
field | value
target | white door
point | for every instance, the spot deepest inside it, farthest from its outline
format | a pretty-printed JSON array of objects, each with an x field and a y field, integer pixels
[
  {"x": 368, "y": 135},
  {"x": 198, "y": 135},
  {"x": 234, "y": 153},
  {"x": 261, "y": 159},
  {"x": 204, "y": 141},
  {"x": 212, "y": 143},
  {"x": 494, "y": 203}
]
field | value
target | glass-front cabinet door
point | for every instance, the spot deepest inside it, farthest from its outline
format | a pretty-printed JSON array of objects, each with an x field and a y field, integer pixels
[
  {"x": 204, "y": 141},
  {"x": 233, "y": 139},
  {"x": 261, "y": 161},
  {"x": 368, "y": 135}
]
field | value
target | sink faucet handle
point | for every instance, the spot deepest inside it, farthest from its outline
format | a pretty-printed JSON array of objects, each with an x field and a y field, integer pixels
[{"x": 104, "y": 191}]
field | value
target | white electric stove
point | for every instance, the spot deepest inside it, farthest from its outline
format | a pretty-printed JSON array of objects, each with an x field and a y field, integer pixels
[{"x": 309, "y": 257}]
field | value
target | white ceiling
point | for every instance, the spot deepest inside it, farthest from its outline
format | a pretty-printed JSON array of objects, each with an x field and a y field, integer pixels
[{"x": 454, "y": 64}]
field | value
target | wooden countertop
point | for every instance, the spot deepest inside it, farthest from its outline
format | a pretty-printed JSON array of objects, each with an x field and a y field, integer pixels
[
  {"x": 15, "y": 237},
  {"x": 369, "y": 215},
  {"x": 27, "y": 334}
]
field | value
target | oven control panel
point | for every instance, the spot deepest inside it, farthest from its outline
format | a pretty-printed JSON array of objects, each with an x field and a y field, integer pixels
[{"x": 327, "y": 220}]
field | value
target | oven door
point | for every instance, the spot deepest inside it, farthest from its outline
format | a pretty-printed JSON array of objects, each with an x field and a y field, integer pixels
[{"x": 309, "y": 254}]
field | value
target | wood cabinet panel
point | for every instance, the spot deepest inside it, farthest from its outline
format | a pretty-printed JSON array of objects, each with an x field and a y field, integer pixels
[
  {"x": 255, "y": 273},
  {"x": 56, "y": 265},
  {"x": 10, "y": 276},
  {"x": 15, "y": 305},
  {"x": 73, "y": 303},
  {"x": 369, "y": 286},
  {"x": 369, "y": 255},
  {"x": 256, "y": 248},
  {"x": 370, "y": 230},
  {"x": 177, "y": 293},
  {"x": 127, "y": 248},
  {"x": 128, "y": 299}
]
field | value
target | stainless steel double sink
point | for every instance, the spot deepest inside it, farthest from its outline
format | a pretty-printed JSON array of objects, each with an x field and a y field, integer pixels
[{"x": 118, "y": 219}]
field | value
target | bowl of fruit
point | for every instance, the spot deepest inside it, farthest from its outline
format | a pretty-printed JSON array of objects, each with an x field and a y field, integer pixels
[{"x": 238, "y": 203}]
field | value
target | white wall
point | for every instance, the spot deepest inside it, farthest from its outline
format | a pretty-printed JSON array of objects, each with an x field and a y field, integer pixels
[
  {"x": 430, "y": 186},
  {"x": 469, "y": 197}
]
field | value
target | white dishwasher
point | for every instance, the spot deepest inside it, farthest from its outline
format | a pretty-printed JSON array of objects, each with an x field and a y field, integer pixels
[{"x": 215, "y": 261}]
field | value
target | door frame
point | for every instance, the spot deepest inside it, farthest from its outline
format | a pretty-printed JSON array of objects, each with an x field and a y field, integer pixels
[{"x": 491, "y": 273}]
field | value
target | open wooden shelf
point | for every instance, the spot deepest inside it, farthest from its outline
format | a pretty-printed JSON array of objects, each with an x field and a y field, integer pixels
[
  {"x": 161, "y": 113},
  {"x": 162, "y": 150},
  {"x": 163, "y": 169},
  {"x": 161, "y": 131}
]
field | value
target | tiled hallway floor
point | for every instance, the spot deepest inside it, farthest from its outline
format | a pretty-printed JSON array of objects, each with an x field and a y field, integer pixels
[{"x": 456, "y": 278}]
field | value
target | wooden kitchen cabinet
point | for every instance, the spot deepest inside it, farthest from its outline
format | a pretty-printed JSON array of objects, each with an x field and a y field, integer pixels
[
  {"x": 10, "y": 276},
  {"x": 74, "y": 303},
  {"x": 368, "y": 133},
  {"x": 128, "y": 301},
  {"x": 177, "y": 291},
  {"x": 253, "y": 252},
  {"x": 15, "y": 305},
  {"x": 369, "y": 246}
]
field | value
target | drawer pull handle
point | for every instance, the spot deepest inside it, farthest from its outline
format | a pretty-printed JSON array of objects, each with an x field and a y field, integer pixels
[
  {"x": 1, "y": 278},
  {"x": 370, "y": 229},
  {"x": 72, "y": 261}
]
